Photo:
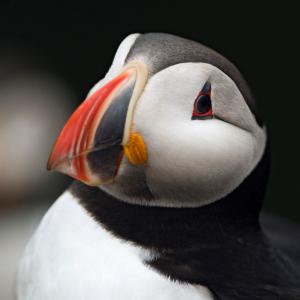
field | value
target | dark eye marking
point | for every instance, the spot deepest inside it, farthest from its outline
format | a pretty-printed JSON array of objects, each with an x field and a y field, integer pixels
[{"x": 202, "y": 106}]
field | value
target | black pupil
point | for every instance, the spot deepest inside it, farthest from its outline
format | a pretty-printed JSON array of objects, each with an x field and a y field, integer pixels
[{"x": 203, "y": 104}]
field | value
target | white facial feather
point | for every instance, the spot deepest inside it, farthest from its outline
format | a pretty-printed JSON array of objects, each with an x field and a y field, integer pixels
[{"x": 190, "y": 162}]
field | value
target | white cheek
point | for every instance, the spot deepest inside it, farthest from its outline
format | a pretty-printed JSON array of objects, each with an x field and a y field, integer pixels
[
  {"x": 192, "y": 162},
  {"x": 205, "y": 159}
]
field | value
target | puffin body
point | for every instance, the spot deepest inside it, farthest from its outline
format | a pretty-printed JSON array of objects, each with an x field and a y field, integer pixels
[
  {"x": 171, "y": 161},
  {"x": 71, "y": 256}
]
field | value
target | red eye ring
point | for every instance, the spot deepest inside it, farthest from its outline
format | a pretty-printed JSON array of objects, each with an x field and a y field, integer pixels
[{"x": 202, "y": 105}]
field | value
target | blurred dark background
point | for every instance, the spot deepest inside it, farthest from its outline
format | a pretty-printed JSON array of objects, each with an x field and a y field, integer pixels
[{"x": 52, "y": 53}]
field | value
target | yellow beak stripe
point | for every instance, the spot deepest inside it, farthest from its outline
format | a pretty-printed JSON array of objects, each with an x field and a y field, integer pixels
[{"x": 135, "y": 150}]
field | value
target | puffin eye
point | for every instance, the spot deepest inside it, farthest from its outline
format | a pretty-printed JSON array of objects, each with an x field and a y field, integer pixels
[{"x": 202, "y": 105}]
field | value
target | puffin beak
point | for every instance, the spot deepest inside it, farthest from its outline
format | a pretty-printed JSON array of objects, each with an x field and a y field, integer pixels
[{"x": 91, "y": 145}]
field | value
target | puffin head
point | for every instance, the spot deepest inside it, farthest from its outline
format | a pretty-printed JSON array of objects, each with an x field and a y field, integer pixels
[{"x": 173, "y": 123}]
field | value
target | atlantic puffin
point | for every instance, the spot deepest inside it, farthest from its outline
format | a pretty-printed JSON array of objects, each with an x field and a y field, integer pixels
[{"x": 171, "y": 160}]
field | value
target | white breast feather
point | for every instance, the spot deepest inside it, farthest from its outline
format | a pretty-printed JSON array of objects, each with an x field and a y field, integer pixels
[{"x": 72, "y": 257}]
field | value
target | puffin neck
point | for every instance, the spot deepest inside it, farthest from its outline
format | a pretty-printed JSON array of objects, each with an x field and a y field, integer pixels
[{"x": 169, "y": 228}]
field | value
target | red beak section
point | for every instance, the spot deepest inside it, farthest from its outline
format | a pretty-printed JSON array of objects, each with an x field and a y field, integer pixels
[{"x": 89, "y": 148}]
